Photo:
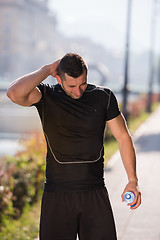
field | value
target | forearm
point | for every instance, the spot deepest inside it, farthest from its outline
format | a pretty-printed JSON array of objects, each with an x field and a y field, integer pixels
[
  {"x": 22, "y": 87},
  {"x": 128, "y": 156},
  {"x": 121, "y": 133}
]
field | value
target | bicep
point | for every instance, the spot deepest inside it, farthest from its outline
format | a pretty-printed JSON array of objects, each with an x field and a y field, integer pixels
[
  {"x": 118, "y": 127},
  {"x": 34, "y": 96},
  {"x": 31, "y": 99}
]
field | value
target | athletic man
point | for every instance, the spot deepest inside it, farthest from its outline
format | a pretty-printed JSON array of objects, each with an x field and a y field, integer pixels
[{"x": 74, "y": 114}]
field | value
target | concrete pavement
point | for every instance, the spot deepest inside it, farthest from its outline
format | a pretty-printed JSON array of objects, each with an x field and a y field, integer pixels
[{"x": 144, "y": 222}]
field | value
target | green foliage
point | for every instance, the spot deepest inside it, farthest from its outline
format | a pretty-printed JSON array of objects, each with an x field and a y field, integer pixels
[
  {"x": 21, "y": 178},
  {"x": 6, "y": 188},
  {"x": 26, "y": 227}
]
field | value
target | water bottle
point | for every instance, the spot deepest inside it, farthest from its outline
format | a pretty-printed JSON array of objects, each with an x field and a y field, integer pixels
[{"x": 129, "y": 197}]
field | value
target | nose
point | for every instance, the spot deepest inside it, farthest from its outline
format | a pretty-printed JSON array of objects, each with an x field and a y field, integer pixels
[{"x": 78, "y": 91}]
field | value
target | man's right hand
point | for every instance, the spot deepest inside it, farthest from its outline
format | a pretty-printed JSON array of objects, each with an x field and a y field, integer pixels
[{"x": 54, "y": 68}]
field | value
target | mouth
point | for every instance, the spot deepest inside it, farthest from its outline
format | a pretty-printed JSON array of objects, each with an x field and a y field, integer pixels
[{"x": 76, "y": 97}]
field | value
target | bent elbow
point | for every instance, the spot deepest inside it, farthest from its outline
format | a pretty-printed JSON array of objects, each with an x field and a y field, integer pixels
[{"x": 11, "y": 94}]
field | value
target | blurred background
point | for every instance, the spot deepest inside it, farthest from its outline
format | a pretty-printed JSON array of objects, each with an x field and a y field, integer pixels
[{"x": 120, "y": 41}]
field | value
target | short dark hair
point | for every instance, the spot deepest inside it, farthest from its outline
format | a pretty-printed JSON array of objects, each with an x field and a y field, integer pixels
[{"x": 72, "y": 64}]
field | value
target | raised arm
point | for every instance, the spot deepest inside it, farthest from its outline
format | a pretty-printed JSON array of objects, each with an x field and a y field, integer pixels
[
  {"x": 120, "y": 131},
  {"x": 24, "y": 91}
]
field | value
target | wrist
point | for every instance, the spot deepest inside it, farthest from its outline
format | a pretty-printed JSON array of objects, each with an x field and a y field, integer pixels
[
  {"x": 47, "y": 69},
  {"x": 132, "y": 176},
  {"x": 133, "y": 180}
]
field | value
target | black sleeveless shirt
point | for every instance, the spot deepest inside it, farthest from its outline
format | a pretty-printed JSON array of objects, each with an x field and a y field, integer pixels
[{"x": 74, "y": 130}]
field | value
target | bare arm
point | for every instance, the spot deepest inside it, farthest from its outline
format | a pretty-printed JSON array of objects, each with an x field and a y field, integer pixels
[
  {"x": 24, "y": 91},
  {"x": 120, "y": 131}
]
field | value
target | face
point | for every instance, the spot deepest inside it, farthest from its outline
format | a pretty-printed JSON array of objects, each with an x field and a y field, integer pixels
[{"x": 74, "y": 87}]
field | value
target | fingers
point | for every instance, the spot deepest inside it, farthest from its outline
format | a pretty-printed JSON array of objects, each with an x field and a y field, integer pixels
[
  {"x": 54, "y": 68},
  {"x": 122, "y": 196},
  {"x": 136, "y": 203}
]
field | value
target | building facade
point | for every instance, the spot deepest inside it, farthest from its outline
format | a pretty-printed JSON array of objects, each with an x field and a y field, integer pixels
[{"x": 28, "y": 36}]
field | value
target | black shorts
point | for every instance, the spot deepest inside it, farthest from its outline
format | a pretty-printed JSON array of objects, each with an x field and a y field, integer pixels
[{"x": 86, "y": 213}]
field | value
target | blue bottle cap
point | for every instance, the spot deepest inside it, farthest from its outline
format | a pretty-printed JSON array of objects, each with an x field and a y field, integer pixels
[{"x": 129, "y": 197}]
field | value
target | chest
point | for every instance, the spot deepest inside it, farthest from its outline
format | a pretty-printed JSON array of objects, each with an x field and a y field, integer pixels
[{"x": 75, "y": 116}]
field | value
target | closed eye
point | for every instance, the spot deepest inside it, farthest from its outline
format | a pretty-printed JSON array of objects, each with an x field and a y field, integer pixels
[{"x": 72, "y": 86}]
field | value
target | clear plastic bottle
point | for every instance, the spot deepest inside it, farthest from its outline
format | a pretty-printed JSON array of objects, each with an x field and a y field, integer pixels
[{"x": 129, "y": 197}]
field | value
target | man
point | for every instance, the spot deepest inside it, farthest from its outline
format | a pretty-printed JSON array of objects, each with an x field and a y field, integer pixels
[{"x": 74, "y": 115}]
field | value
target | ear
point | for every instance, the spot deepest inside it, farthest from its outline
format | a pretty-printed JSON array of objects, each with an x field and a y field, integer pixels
[{"x": 58, "y": 79}]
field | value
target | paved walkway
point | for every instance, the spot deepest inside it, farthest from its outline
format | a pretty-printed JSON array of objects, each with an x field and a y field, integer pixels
[{"x": 143, "y": 223}]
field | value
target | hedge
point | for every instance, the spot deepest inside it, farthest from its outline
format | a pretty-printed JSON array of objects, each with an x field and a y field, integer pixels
[{"x": 22, "y": 177}]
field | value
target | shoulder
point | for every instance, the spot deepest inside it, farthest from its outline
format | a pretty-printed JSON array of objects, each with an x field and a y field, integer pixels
[
  {"x": 46, "y": 88},
  {"x": 102, "y": 90}
]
